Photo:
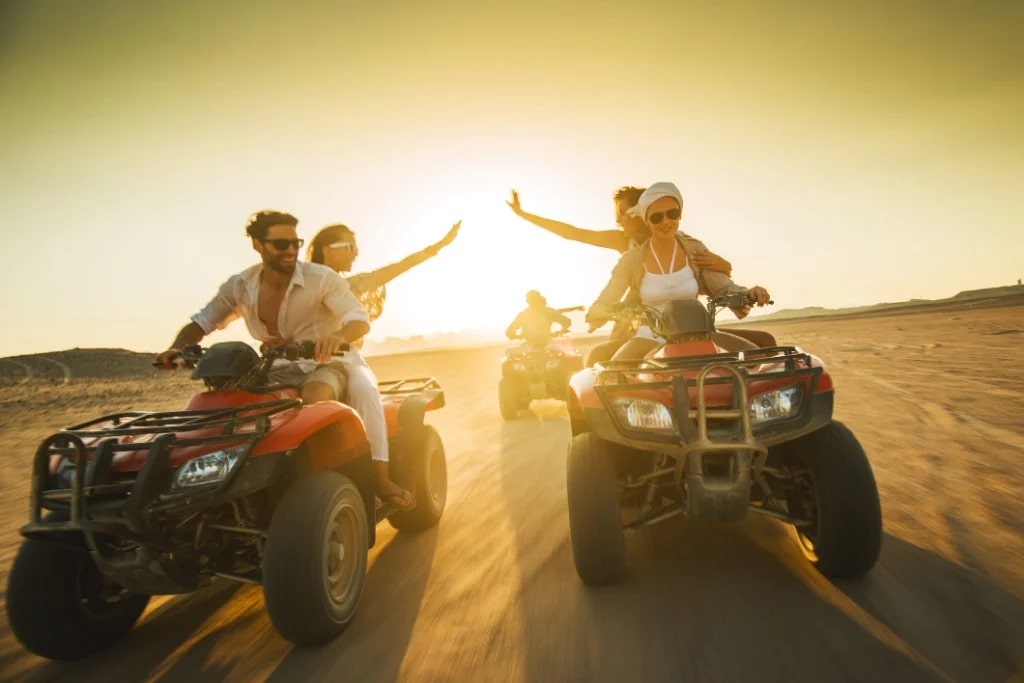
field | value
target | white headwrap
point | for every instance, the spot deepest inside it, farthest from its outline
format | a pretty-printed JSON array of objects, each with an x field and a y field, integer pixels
[{"x": 653, "y": 194}]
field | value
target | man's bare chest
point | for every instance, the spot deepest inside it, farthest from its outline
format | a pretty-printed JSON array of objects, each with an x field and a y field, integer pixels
[{"x": 268, "y": 307}]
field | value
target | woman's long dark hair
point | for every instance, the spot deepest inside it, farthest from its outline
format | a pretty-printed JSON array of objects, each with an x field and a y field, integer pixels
[
  {"x": 327, "y": 235},
  {"x": 373, "y": 300}
]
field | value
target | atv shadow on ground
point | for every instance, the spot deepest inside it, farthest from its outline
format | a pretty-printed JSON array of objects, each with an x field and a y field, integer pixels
[
  {"x": 698, "y": 590},
  {"x": 714, "y": 602},
  {"x": 162, "y": 631},
  {"x": 968, "y": 626},
  {"x": 211, "y": 634}
]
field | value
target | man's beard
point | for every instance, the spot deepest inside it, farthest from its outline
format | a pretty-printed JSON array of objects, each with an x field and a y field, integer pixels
[{"x": 276, "y": 265}]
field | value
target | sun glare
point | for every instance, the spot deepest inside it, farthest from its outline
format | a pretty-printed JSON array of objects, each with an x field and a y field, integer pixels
[{"x": 479, "y": 282}]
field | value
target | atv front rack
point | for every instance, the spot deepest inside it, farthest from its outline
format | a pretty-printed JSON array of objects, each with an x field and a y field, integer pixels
[
  {"x": 616, "y": 378},
  {"x": 122, "y": 501},
  {"x": 407, "y": 386},
  {"x": 718, "y": 450},
  {"x": 619, "y": 377},
  {"x": 427, "y": 388}
]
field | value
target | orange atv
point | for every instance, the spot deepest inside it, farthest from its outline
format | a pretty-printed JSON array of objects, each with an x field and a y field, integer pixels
[
  {"x": 695, "y": 430},
  {"x": 247, "y": 484}
]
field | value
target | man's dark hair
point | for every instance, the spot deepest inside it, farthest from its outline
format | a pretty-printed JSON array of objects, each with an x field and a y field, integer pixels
[
  {"x": 261, "y": 221},
  {"x": 628, "y": 194}
]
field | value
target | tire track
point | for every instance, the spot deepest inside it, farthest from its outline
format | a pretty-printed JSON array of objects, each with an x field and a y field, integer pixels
[
  {"x": 29, "y": 373},
  {"x": 65, "y": 370},
  {"x": 941, "y": 417}
]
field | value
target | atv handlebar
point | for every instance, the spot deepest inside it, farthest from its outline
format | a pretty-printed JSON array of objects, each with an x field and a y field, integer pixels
[
  {"x": 652, "y": 317},
  {"x": 303, "y": 350},
  {"x": 556, "y": 333},
  {"x": 626, "y": 311},
  {"x": 738, "y": 300}
]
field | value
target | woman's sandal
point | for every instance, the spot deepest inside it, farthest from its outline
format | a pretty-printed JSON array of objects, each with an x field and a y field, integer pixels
[{"x": 398, "y": 501}]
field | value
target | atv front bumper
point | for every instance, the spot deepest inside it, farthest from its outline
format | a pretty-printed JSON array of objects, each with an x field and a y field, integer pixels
[{"x": 719, "y": 449}]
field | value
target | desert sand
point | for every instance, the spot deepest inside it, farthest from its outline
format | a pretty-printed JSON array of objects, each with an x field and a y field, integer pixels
[{"x": 934, "y": 396}]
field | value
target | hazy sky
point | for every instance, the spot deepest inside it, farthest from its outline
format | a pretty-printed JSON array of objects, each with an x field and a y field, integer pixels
[{"x": 837, "y": 154}]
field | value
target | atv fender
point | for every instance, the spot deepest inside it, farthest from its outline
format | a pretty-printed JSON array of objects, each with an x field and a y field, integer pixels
[
  {"x": 332, "y": 432},
  {"x": 581, "y": 385},
  {"x": 409, "y": 420}
]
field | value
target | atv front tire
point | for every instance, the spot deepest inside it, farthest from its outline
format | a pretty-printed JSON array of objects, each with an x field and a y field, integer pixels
[
  {"x": 595, "y": 515},
  {"x": 314, "y": 563},
  {"x": 508, "y": 398},
  {"x": 58, "y": 605},
  {"x": 845, "y": 538}
]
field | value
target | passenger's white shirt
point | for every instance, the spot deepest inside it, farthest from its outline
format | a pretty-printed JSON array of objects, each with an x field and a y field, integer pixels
[{"x": 317, "y": 303}]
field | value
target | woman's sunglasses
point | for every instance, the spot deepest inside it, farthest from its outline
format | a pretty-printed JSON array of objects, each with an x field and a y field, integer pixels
[
  {"x": 659, "y": 216},
  {"x": 282, "y": 244},
  {"x": 342, "y": 245}
]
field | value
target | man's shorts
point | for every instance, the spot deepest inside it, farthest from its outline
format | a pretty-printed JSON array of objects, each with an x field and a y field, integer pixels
[{"x": 332, "y": 374}]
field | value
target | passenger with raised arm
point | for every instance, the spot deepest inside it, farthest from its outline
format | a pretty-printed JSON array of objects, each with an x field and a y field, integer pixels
[
  {"x": 662, "y": 269},
  {"x": 284, "y": 300},
  {"x": 631, "y": 233}
]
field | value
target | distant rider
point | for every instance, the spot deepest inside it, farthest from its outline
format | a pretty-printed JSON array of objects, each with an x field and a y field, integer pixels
[{"x": 533, "y": 324}]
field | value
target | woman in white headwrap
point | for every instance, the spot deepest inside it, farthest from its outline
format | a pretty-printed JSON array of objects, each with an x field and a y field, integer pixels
[{"x": 664, "y": 268}]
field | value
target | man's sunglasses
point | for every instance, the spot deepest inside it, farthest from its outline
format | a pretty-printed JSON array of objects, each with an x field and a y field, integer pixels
[
  {"x": 281, "y": 244},
  {"x": 659, "y": 216}
]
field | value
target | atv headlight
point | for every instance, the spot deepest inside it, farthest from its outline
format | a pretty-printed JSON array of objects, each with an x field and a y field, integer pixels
[
  {"x": 644, "y": 414},
  {"x": 208, "y": 469},
  {"x": 552, "y": 363},
  {"x": 776, "y": 405},
  {"x": 519, "y": 367}
]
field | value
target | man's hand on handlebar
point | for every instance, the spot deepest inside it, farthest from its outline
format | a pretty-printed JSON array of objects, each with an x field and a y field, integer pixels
[
  {"x": 759, "y": 295},
  {"x": 172, "y": 359},
  {"x": 165, "y": 359},
  {"x": 329, "y": 346}
]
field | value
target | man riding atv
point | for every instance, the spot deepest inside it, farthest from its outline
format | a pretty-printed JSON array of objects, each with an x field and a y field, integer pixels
[
  {"x": 533, "y": 324},
  {"x": 284, "y": 300}
]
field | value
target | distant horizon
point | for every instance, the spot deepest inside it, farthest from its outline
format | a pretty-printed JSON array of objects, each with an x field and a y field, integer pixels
[{"x": 496, "y": 336}]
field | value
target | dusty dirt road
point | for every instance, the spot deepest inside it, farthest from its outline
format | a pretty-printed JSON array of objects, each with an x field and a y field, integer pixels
[{"x": 491, "y": 594}]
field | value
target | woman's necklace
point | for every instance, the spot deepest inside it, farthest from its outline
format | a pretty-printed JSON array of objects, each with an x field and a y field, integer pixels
[{"x": 672, "y": 264}]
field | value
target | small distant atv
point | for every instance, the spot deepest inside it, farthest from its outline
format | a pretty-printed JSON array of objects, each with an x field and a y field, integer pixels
[
  {"x": 695, "y": 430},
  {"x": 247, "y": 483},
  {"x": 536, "y": 373}
]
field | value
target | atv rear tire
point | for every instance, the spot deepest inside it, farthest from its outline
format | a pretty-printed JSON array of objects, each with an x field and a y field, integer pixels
[
  {"x": 846, "y": 537},
  {"x": 314, "y": 563},
  {"x": 55, "y": 602},
  {"x": 508, "y": 398},
  {"x": 595, "y": 514},
  {"x": 430, "y": 483}
]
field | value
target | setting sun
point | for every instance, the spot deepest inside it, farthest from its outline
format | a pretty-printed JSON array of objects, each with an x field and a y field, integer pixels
[{"x": 845, "y": 178}]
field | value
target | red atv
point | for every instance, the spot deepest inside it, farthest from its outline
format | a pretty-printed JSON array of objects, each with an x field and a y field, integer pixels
[
  {"x": 535, "y": 373},
  {"x": 692, "y": 429},
  {"x": 247, "y": 483}
]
